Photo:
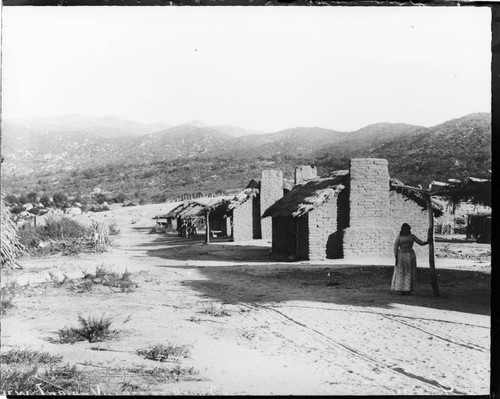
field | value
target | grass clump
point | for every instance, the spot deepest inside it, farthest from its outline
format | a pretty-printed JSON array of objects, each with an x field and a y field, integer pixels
[
  {"x": 162, "y": 353},
  {"x": 114, "y": 229},
  {"x": 29, "y": 371},
  {"x": 33, "y": 379},
  {"x": 108, "y": 278},
  {"x": 91, "y": 329},
  {"x": 28, "y": 355},
  {"x": 216, "y": 310},
  {"x": 162, "y": 374},
  {"x": 56, "y": 282},
  {"x": 7, "y": 294}
]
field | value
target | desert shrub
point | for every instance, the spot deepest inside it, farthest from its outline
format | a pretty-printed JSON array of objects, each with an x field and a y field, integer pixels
[
  {"x": 58, "y": 235},
  {"x": 11, "y": 199},
  {"x": 64, "y": 235},
  {"x": 34, "y": 211},
  {"x": 18, "y": 379},
  {"x": 32, "y": 197},
  {"x": 7, "y": 294},
  {"x": 121, "y": 197},
  {"x": 162, "y": 374},
  {"x": 17, "y": 209},
  {"x": 56, "y": 282},
  {"x": 45, "y": 200},
  {"x": 28, "y": 356},
  {"x": 162, "y": 353},
  {"x": 6, "y": 300},
  {"x": 59, "y": 199},
  {"x": 100, "y": 198},
  {"x": 91, "y": 329},
  {"x": 29, "y": 236},
  {"x": 216, "y": 310},
  {"x": 114, "y": 229},
  {"x": 108, "y": 278},
  {"x": 61, "y": 228},
  {"x": 34, "y": 372},
  {"x": 32, "y": 379}
]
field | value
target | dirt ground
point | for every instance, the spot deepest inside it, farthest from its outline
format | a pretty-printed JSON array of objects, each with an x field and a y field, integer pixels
[{"x": 256, "y": 326}]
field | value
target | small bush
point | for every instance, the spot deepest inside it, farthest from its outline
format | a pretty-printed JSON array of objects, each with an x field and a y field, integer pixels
[
  {"x": 56, "y": 282},
  {"x": 161, "y": 374},
  {"x": 28, "y": 356},
  {"x": 29, "y": 236},
  {"x": 20, "y": 379},
  {"x": 64, "y": 235},
  {"x": 7, "y": 294},
  {"x": 63, "y": 228},
  {"x": 6, "y": 301},
  {"x": 35, "y": 372},
  {"x": 162, "y": 353},
  {"x": 109, "y": 278},
  {"x": 114, "y": 229},
  {"x": 91, "y": 329},
  {"x": 216, "y": 310}
]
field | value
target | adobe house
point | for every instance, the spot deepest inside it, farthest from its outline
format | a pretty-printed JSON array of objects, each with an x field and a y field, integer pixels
[
  {"x": 245, "y": 209},
  {"x": 346, "y": 213}
]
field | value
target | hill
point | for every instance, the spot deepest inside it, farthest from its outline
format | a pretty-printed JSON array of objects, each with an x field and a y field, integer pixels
[
  {"x": 196, "y": 157},
  {"x": 455, "y": 149}
]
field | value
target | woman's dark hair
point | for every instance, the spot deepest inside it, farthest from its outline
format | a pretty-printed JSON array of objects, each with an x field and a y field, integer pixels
[{"x": 405, "y": 230}]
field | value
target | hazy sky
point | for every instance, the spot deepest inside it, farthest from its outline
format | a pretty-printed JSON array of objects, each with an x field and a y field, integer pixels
[{"x": 264, "y": 68}]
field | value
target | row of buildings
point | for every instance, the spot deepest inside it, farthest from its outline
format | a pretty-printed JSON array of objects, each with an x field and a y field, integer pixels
[{"x": 345, "y": 213}]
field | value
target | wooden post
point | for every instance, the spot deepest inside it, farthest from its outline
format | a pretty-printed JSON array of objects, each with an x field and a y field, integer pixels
[
  {"x": 207, "y": 225},
  {"x": 430, "y": 237}
]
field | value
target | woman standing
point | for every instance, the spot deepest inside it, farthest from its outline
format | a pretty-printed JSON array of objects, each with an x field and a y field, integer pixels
[{"x": 405, "y": 271}]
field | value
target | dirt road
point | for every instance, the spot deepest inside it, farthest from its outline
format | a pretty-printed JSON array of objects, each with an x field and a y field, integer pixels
[{"x": 254, "y": 326}]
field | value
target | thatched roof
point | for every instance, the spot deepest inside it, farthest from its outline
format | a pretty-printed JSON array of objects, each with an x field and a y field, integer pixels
[
  {"x": 10, "y": 247},
  {"x": 308, "y": 195},
  {"x": 241, "y": 198},
  {"x": 176, "y": 211},
  {"x": 415, "y": 196}
]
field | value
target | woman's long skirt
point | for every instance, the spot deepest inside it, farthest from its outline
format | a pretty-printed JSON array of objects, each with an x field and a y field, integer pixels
[{"x": 405, "y": 272}]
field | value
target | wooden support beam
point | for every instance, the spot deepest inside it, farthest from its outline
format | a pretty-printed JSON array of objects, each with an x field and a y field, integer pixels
[
  {"x": 430, "y": 238},
  {"x": 207, "y": 224}
]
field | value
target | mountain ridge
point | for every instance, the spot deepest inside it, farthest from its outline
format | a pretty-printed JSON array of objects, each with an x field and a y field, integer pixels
[{"x": 188, "y": 157}]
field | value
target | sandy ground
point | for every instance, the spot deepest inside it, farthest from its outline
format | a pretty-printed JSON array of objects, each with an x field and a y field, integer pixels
[{"x": 328, "y": 328}]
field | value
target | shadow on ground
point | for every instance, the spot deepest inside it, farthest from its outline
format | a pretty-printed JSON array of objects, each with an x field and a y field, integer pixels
[
  {"x": 171, "y": 246},
  {"x": 462, "y": 291}
]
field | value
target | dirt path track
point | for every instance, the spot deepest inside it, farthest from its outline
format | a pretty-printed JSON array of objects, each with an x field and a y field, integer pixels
[{"x": 289, "y": 329}]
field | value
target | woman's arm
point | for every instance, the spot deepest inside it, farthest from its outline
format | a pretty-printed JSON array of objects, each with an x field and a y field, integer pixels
[
  {"x": 419, "y": 241},
  {"x": 396, "y": 247}
]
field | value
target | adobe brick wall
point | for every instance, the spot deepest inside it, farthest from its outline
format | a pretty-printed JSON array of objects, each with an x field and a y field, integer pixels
[
  {"x": 271, "y": 190},
  {"x": 322, "y": 224},
  {"x": 304, "y": 172},
  {"x": 370, "y": 231},
  {"x": 243, "y": 222},
  {"x": 402, "y": 211}
]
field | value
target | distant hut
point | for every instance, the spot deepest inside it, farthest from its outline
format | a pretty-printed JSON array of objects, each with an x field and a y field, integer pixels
[
  {"x": 173, "y": 218},
  {"x": 474, "y": 191},
  {"x": 345, "y": 213}
]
